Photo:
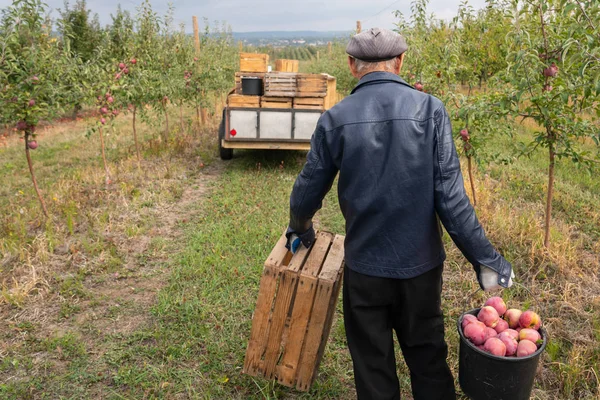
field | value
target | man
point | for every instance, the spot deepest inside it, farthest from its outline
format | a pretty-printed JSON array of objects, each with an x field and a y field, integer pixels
[{"x": 399, "y": 173}]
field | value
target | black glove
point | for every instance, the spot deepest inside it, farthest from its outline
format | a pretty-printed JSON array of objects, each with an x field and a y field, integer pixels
[{"x": 307, "y": 238}]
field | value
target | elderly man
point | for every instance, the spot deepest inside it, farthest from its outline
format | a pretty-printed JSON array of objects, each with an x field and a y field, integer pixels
[{"x": 399, "y": 176}]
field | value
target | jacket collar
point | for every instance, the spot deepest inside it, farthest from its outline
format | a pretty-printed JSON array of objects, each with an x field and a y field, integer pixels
[{"x": 373, "y": 78}]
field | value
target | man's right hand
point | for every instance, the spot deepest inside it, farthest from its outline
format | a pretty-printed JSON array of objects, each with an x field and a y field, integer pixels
[{"x": 294, "y": 239}]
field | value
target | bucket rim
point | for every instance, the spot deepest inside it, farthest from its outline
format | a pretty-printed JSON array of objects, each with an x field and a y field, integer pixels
[{"x": 464, "y": 339}]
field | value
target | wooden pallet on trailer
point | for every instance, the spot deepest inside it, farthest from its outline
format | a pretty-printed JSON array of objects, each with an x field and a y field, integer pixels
[
  {"x": 311, "y": 85},
  {"x": 275, "y": 102},
  {"x": 280, "y": 84},
  {"x": 309, "y": 103},
  {"x": 294, "y": 311}
]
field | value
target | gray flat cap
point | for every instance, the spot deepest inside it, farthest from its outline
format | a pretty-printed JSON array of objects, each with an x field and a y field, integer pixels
[{"x": 376, "y": 44}]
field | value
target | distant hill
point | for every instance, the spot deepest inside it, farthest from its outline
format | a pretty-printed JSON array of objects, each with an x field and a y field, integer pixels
[{"x": 290, "y": 35}]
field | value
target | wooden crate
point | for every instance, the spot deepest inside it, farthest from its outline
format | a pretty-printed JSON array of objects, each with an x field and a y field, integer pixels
[
  {"x": 311, "y": 85},
  {"x": 239, "y": 100},
  {"x": 309, "y": 103},
  {"x": 286, "y": 65},
  {"x": 294, "y": 311},
  {"x": 280, "y": 84},
  {"x": 240, "y": 75},
  {"x": 253, "y": 62},
  {"x": 275, "y": 102}
]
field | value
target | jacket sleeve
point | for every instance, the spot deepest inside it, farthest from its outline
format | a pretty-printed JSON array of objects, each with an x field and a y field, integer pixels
[
  {"x": 312, "y": 184},
  {"x": 454, "y": 208}
]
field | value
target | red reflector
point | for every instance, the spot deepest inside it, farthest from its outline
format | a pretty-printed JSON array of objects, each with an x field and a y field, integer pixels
[{"x": 233, "y": 132}]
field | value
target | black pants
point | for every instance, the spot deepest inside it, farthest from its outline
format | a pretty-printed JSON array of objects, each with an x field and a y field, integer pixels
[{"x": 373, "y": 309}]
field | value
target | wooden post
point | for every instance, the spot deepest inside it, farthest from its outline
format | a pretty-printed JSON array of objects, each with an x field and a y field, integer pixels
[
  {"x": 240, "y": 46},
  {"x": 329, "y": 49},
  {"x": 196, "y": 35},
  {"x": 318, "y": 55},
  {"x": 358, "y": 27}
]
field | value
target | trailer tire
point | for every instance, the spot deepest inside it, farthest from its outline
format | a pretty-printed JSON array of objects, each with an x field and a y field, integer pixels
[{"x": 225, "y": 154}]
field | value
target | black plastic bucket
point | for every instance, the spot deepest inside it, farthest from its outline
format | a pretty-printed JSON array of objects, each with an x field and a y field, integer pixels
[
  {"x": 484, "y": 376},
  {"x": 252, "y": 86}
]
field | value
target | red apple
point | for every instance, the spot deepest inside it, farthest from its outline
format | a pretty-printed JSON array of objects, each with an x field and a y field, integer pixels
[
  {"x": 495, "y": 301},
  {"x": 32, "y": 144},
  {"x": 464, "y": 134},
  {"x": 530, "y": 319},
  {"x": 502, "y": 326},
  {"x": 512, "y": 317},
  {"x": 31, "y": 103},
  {"x": 526, "y": 348},
  {"x": 102, "y": 121},
  {"x": 529, "y": 334},
  {"x": 475, "y": 332},
  {"x": 419, "y": 86},
  {"x": 495, "y": 346},
  {"x": 489, "y": 316},
  {"x": 510, "y": 343},
  {"x": 133, "y": 61},
  {"x": 122, "y": 65},
  {"x": 103, "y": 110},
  {"x": 467, "y": 319}
]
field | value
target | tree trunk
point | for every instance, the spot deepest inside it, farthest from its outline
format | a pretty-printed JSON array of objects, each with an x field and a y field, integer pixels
[
  {"x": 198, "y": 116},
  {"x": 471, "y": 180},
  {"x": 181, "y": 117},
  {"x": 135, "y": 139},
  {"x": 166, "y": 126},
  {"x": 204, "y": 115},
  {"x": 106, "y": 170},
  {"x": 551, "y": 155},
  {"x": 35, "y": 185}
]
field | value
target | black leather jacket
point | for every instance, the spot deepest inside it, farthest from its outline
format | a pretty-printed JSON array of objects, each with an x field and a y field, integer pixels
[{"x": 399, "y": 176}]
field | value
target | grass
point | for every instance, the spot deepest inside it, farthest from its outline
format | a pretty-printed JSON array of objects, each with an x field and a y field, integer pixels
[{"x": 126, "y": 309}]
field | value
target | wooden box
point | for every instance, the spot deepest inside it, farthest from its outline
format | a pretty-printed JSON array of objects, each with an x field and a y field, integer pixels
[
  {"x": 275, "y": 102},
  {"x": 311, "y": 85},
  {"x": 294, "y": 311},
  {"x": 280, "y": 84},
  {"x": 309, "y": 103},
  {"x": 240, "y": 75},
  {"x": 239, "y": 100},
  {"x": 282, "y": 65},
  {"x": 252, "y": 62}
]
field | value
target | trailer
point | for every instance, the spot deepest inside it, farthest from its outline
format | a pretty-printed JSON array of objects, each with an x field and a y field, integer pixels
[
  {"x": 273, "y": 110},
  {"x": 266, "y": 128}
]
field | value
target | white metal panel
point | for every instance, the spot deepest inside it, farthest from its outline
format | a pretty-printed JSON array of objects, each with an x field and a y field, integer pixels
[
  {"x": 305, "y": 125},
  {"x": 275, "y": 125},
  {"x": 244, "y": 123}
]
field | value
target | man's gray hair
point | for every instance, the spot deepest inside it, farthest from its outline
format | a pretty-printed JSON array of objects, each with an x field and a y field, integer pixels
[{"x": 364, "y": 66}]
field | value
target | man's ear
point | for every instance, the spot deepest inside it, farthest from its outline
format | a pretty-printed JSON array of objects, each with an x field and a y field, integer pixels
[
  {"x": 400, "y": 62},
  {"x": 352, "y": 65}
]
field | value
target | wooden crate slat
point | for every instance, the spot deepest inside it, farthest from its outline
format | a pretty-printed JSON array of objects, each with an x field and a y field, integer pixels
[
  {"x": 315, "y": 260},
  {"x": 313, "y": 101},
  {"x": 287, "y": 370},
  {"x": 276, "y": 102},
  {"x": 279, "y": 253},
  {"x": 287, "y": 286},
  {"x": 240, "y": 100},
  {"x": 314, "y": 336},
  {"x": 334, "y": 261},
  {"x": 260, "y": 320}
]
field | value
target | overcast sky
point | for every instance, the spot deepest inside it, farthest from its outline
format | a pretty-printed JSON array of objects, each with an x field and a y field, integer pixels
[{"x": 276, "y": 15}]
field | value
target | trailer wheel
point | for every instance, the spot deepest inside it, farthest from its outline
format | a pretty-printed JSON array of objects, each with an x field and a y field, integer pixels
[{"x": 225, "y": 154}]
